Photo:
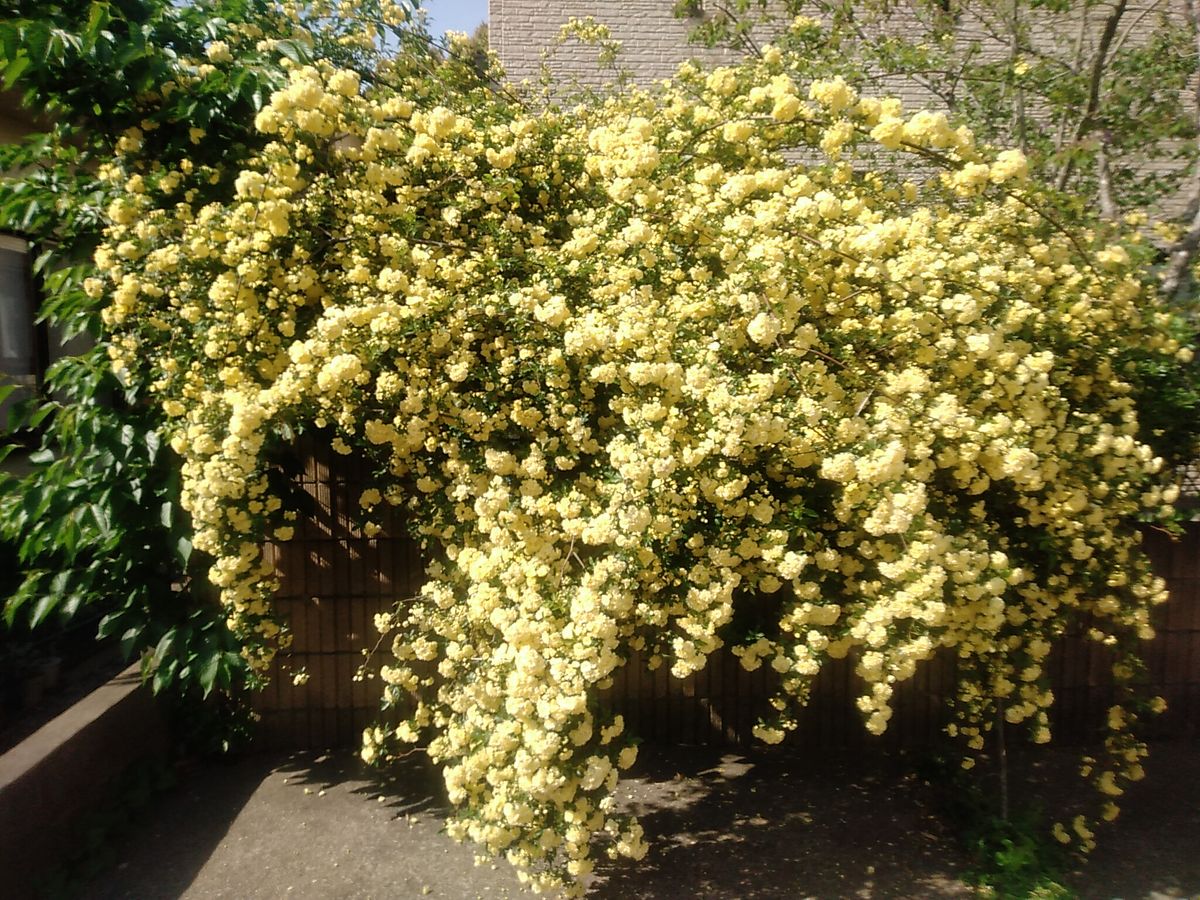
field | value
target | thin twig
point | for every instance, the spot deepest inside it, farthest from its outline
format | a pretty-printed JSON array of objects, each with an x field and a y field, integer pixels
[
  {"x": 1108, "y": 206},
  {"x": 1014, "y": 56},
  {"x": 1088, "y": 120}
]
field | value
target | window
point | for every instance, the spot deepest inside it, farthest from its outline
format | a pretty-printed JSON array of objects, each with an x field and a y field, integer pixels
[{"x": 22, "y": 342}]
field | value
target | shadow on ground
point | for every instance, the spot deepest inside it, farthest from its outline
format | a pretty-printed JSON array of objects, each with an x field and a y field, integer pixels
[
  {"x": 1152, "y": 850},
  {"x": 177, "y": 834},
  {"x": 721, "y": 825},
  {"x": 303, "y": 826},
  {"x": 764, "y": 826}
]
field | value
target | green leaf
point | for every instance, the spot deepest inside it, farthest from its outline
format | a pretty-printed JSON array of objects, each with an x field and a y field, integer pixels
[
  {"x": 37, "y": 41},
  {"x": 110, "y": 623},
  {"x": 153, "y": 444},
  {"x": 45, "y": 605},
  {"x": 164, "y": 675},
  {"x": 10, "y": 39},
  {"x": 98, "y": 17},
  {"x": 39, "y": 415},
  {"x": 23, "y": 595},
  {"x": 129, "y": 641},
  {"x": 208, "y": 672},
  {"x": 14, "y": 69},
  {"x": 42, "y": 457},
  {"x": 164, "y": 647},
  {"x": 74, "y": 602},
  {"x": 100, "y": 516},
  {"x": 290, "y": 49}
]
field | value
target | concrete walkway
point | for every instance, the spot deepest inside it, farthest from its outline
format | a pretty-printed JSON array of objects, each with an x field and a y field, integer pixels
[
  {"x": 723, "y": 825},
  {"x": 305, "y": 827}
]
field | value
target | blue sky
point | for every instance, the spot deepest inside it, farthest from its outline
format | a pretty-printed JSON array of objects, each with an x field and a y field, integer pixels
[{"x": 455, "y": 15}]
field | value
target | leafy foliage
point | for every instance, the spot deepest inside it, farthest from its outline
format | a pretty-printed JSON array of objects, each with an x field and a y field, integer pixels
[
  {"x": 1101, "y": 97},
  {"x": 96, "y": 523},
  {"x": 1013, "y": 855},
  {"x": 633, "y": 367}
]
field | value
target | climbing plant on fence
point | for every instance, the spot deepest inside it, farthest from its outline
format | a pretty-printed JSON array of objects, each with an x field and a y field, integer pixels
[
  {"x": 647, "y": 383},
  {"x": 96, "y": 523}
]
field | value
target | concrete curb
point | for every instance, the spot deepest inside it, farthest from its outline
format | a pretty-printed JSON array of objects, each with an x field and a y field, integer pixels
[{"x": 61, "y": 771}]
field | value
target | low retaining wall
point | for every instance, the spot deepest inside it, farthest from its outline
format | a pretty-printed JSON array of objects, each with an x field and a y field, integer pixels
[{"x": 60, "y": 772}]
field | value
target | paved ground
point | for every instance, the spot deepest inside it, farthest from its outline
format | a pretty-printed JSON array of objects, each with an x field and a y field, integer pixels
[{"x": 724, "y": 825}]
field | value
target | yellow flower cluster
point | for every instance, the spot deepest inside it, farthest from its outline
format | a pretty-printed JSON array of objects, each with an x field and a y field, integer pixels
[{"x": 631, "y": 366}]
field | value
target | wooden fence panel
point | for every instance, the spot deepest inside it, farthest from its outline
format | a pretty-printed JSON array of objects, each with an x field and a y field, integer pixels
[{"x": 334, "y": 579}]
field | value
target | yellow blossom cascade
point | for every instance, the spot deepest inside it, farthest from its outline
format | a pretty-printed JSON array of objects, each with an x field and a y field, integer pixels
[{"x": 632, "y": 365}]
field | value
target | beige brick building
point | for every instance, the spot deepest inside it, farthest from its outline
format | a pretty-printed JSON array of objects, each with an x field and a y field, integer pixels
[{"x": 654, "y": 40}]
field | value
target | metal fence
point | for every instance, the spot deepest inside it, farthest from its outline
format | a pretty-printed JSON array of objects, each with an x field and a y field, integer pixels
[{"x": 335, "y": 578}]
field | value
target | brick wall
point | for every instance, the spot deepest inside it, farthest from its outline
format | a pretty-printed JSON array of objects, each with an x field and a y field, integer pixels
[{"x": 655, "y": 42}]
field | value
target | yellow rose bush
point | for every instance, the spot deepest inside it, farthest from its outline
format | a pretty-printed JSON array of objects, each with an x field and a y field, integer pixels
[{"x": 634, "y": 363}]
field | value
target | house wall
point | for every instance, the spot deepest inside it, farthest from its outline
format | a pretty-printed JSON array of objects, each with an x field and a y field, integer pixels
[
  {"x": 654, "y": 40},
  {"x": 15, "y": 124}
]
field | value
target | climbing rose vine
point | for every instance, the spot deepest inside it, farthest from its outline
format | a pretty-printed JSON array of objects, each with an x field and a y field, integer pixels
[{"x": 634, "y": 365}]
